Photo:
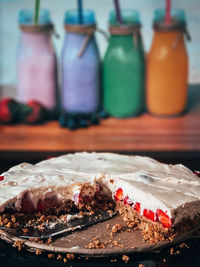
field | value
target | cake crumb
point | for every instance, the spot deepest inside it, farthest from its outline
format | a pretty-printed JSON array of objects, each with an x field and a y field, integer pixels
[
  {"x": 117, "y": 228},
  {"x": 114, "y": 260},
  {"x": 8, "y": 225},
  {"x": 65, "y": 260},
  {"x": 171, "y": 251},
  {"x": 125, "y": 258},
  {"x": 19, "y": 244},
  {"x": 49, "y": 241},
  {"x": 182, "y": 245},
  {"x": 115, "y": 243},
  {"x": 59, "y": 257},
  {"x": 38, "y": 252},
  {"x": 70, "y": 256},
  {"x": 96, "y": 244},
  {"x": 107, "y": 227},
  {"x": 51, "y": 256},
  {"x": 141, "y": 265}
]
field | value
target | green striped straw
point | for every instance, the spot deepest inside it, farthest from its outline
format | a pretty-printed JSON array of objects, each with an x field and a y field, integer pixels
[{"x": 37, "y": 10}]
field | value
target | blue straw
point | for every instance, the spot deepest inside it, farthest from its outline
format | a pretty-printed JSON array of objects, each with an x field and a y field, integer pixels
[{"x": 80, "y": 11}]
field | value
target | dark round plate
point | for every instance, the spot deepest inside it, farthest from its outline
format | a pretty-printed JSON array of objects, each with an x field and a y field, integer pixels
[{"x": 76, "y": 242}]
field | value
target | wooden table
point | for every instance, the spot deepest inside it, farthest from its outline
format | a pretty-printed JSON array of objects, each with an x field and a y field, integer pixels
[{"x": 177, "y": 137}]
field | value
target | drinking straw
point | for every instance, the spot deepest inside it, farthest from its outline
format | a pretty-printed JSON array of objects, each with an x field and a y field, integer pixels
[
  {"x": 168, "y": 11},
  {"x": 118, "y": 11},
  {"x": 37, "y": 10},
  {"x": 80, "y": 11}
]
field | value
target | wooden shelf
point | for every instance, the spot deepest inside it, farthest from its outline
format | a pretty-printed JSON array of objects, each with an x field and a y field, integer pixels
[{"x": 143, "y": 133}]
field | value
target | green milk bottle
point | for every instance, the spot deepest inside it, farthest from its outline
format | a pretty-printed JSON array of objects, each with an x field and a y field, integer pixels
[{"x": 124, "y": 67}]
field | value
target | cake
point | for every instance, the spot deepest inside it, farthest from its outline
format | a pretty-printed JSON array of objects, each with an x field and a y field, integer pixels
[{"x": 159, "y": 199}]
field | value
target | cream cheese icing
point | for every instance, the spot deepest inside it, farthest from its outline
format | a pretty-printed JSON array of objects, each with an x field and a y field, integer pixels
[{"x": 172, "y": 188}]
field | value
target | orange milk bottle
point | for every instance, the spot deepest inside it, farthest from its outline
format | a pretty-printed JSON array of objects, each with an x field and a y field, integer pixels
[{"x": 167, "y": 66}]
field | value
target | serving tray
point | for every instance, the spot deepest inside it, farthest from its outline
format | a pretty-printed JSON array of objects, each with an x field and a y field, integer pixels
[{"x": 77, "y": 242}]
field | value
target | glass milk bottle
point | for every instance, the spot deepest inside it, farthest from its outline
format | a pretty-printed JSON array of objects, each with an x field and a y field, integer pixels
[
  {"x": 36, "y": 60},
  {"x": 80, "y": 65},
  {"x": 124, "y": 67},
  {"x": 167, "y": 66}
]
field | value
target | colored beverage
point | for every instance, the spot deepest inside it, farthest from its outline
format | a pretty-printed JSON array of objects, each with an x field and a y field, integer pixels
[
  {"x": 36, "y": 60},
  {"x": 167, "y": 66},
  {"x": 124, "y": 67},
  {"x": 80, "y": 65}
]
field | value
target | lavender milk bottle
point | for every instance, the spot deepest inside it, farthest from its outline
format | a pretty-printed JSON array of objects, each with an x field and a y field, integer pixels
[
  {"x": 36, "y": 60},
  {"x": 80, "y": 65}
]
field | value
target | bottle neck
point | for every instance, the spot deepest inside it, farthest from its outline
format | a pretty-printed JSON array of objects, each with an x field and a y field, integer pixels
[
  {"x": 35, "y": 39},
  {"x": 168, "y": 37},
  {"x": 120, "y": 39},
  {"x": 128, "y": 42}
]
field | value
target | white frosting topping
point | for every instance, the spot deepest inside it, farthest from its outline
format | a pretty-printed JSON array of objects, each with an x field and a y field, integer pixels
[{"x": 155, "y": 185}]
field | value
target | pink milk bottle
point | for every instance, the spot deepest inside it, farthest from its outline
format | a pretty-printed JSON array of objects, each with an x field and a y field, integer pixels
[{"x": 36, "y": 60}]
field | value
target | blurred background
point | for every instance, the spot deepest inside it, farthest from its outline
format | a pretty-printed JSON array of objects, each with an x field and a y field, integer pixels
[{"x": 9, "y": 31}]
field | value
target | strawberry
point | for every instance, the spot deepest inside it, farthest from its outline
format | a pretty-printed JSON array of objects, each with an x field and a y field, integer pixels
[
  {"x": 137, "y": 207},
  {"x": 52, "y": 201},
  {"x": 9, "y": 109},
  {"x": 119, "y": 194},
  {"x": 26, "y": 204},
  {"x": 197, "y": 173},
  {"x": 127, "y": 201},
  {"x": 1, "y": 178},
  {"x": 41, "y": 206},
  {"x": 49, "y": 157},
  {"x": 76, "y": 198},
  {"x": 164, "y": 218},
  {"x": 149, "y": 214},
  {"x": 97, "y": 195},
  {"x": 34, "y": 112},
  {"x": 86, "y": 199}
]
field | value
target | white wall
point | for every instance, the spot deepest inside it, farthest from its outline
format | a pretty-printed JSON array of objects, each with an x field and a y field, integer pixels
[{"x": 9, "y": 32}]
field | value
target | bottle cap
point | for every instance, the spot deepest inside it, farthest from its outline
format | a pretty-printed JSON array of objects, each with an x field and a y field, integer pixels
[
  {"x": 129, "y": 17},
  {"x": 177, "y": 22},
  {"x": 26, "y": 17},
  {"x": 72, "y": 17}
]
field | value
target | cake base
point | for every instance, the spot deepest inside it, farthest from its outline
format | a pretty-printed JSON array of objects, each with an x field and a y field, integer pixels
[{"x": 108, "y": 238}]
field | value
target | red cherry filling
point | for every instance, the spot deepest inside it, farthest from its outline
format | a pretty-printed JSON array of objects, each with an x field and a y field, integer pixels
[
  {"x": 119, "y": 194},
  {"x": 1, "y": 178},
  {"x": 164, "y": 218},
  {"x": 26, "y": 204}
]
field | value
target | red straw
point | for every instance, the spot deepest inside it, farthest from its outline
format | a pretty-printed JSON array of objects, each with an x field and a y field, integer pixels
[{"x": 168, "y": 11}]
